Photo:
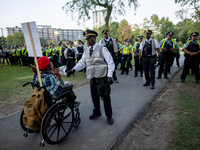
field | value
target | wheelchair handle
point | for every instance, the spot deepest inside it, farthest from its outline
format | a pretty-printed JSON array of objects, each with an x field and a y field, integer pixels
[
  {"x": 27, "y": 84},
  {"x": 42, "y": 87}
]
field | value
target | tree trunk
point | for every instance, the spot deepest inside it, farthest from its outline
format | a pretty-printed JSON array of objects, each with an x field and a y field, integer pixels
[{"x": 107, "y": 18}]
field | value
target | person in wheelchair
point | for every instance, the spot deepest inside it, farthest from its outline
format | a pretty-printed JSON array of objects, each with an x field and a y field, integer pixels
[{"x": 52, "y": 81}]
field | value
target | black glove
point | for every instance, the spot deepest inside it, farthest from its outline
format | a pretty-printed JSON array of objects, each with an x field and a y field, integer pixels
[
  {"x": 70, "y": 72},
  {"x": 109, "y": 80},
  {"x": 140, "y": 61}
]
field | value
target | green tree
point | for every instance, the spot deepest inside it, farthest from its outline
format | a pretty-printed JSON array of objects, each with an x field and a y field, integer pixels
[
  {"x": 189, "y": 6},
  {"x": 43, "y": 41},
  {"x": 124, "y": 31},
  {"x": 113, "y": 29},
  {"x": 51, "y": 41},
  {"x": 83, "y": 8}
]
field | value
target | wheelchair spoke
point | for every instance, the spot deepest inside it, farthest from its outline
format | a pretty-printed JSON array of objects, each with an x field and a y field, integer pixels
[
  {"x": 53, "y": 131},
  {"x": 51, "y": 126},
  {"x": 58, "y": 133},
  {"x": 66, "y": 116},
  {"x": 63, "y": 128},
  {"x": 66, "y": 122}
]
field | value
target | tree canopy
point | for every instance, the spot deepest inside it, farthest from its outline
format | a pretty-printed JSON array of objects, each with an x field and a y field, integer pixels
[{"x": 83, "y": 8}]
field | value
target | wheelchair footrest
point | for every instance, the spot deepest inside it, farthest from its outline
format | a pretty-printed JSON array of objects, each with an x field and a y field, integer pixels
[{"x": 77, "y": 103}]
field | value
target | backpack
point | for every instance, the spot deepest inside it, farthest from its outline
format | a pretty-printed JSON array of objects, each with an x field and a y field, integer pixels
[{"x": 34, "y": 109}]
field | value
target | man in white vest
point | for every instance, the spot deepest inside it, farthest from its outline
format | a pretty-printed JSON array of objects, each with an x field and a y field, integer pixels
[{"x": 99, "y": 69}]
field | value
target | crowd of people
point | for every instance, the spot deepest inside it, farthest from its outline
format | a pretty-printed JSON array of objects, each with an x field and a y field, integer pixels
[{"x": 100, "y": 61}]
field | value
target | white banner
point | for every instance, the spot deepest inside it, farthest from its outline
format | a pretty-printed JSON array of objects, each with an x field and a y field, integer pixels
[{"x": 35, "y": 36}]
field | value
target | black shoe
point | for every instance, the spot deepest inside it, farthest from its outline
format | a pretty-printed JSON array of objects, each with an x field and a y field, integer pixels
[
  {"x": 116, "y": 81},
  {"x": 182, "y": 80},
  {"x": 152, "y": 87},
  {"x": 158, "y": 77},
  {"x": 110, "y": 120},
  {"x": 196, "y": 81},
  {"x": 126, "y": 73},
  {"x": 122, "y": 73},
  {"x": 141, "y": 75},
  {"x": 166, "y": 77},
  {"x": 94, "y": 116},
  {"x": 135, "y": 75},
  {"x": 146, "y": 84}
]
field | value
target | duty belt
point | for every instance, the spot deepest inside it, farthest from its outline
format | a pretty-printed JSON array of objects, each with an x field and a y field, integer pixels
[{"x": 70, "y": 57}]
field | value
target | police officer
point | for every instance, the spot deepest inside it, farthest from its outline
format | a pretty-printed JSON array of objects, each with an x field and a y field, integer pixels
[
  {"x": 61, "y": 54},
  {"x": 96, "y": 58},
  {"x": 126, "y": 53},
  {"x": 70, "y": 54},
  {"x": 168, "y": 46},
  {"x": 24, "y": 56},
  {"x": 192, "y": 56},
  {"x": 6, "y": 55},
  {"x": 18, "y": 56},
  {"x": 138, "y": 66},
  {"x": 147, "y": 52},
  {"x": 112, "y": 48},
  {"x": 54, "y": 55},
  {"x": 119, "y": 54},
  {"x": 80, "y": 48},
  {"x": 14, "y": 55},
  {"x": 177, "y": 54}
]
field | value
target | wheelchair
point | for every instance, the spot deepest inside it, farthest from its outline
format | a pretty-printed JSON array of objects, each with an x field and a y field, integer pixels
[{"x": 61, "y": 116}]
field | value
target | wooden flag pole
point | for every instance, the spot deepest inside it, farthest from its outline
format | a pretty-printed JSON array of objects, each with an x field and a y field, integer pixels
[{"x": 35, "y": 57}]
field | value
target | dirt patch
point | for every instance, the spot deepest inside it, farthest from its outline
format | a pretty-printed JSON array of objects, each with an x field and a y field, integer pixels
[{"x": 154, "y": 130}]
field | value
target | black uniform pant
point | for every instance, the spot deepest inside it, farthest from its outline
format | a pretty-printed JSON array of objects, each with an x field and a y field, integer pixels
[
  {"x": 177, "y": 56},
  {"x": 190, "y": 60},
  {"x": 5, "y": 60},
  {"x": 18, "y": 60},
  {"x": 13, "y": 60},
  {"x": 70, "y": 63},
  {"x": 149, "y": 70},
  {"x": 96, "y": 100},
  {"x": 165, "y": 62},
  {"x": 63, "y": 60},
  {"x": 138, "y": 67},
  {"x": 119, "y": 60},
  {"x": 55, "y": 61},
  {"x": 126, "y": 61}
]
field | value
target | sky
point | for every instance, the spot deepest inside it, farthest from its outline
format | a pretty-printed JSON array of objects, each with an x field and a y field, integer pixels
[{"x": 50, "y": 12}]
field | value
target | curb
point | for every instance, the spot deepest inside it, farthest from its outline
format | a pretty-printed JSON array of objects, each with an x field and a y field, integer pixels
[{"x": 139, "y": 116}]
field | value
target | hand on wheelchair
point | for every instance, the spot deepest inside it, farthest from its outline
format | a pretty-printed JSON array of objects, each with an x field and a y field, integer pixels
[{"x": 70, "y": 72}]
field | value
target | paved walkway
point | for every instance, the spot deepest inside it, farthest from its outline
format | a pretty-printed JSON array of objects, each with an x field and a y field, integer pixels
[{"x": 128, "y": 99}]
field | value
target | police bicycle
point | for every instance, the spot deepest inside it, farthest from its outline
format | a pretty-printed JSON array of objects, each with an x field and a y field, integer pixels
[{"x": 62, "y": 115}]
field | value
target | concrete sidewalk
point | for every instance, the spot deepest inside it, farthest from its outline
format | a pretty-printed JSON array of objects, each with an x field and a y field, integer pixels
[{"x": 128, "y": 99}]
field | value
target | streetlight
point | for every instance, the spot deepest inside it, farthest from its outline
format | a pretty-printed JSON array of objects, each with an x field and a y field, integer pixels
[{"x": 56, "y": 33}]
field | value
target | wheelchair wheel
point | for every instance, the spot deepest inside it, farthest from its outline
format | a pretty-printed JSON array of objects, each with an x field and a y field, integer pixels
[
  {"x": 57, "y": 123},
  {"x": 24, "y": 126}
]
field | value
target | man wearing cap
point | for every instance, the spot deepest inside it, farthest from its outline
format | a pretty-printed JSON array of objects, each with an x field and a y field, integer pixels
[
  {"x": 80, "y": 48},
  {"x": 112, "y": 48},
  {"x": 168, "y": 46},
  {"x": 70, "y": 55},
  {"x": 136, "y": 50},
  {"x": 119, "y": 54},
  {"x": 147, "y": 53},
  {"x": 192, "y": 56},
  {"x": 100, "y": 66},
  {"x": 61, "y": 54},
  {"x": 52, "y": 82}
]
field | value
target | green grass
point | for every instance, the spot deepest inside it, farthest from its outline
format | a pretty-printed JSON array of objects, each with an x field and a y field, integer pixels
[
  {"x": 187, "y": 127},
  {"x": 13, "y": 77}
]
